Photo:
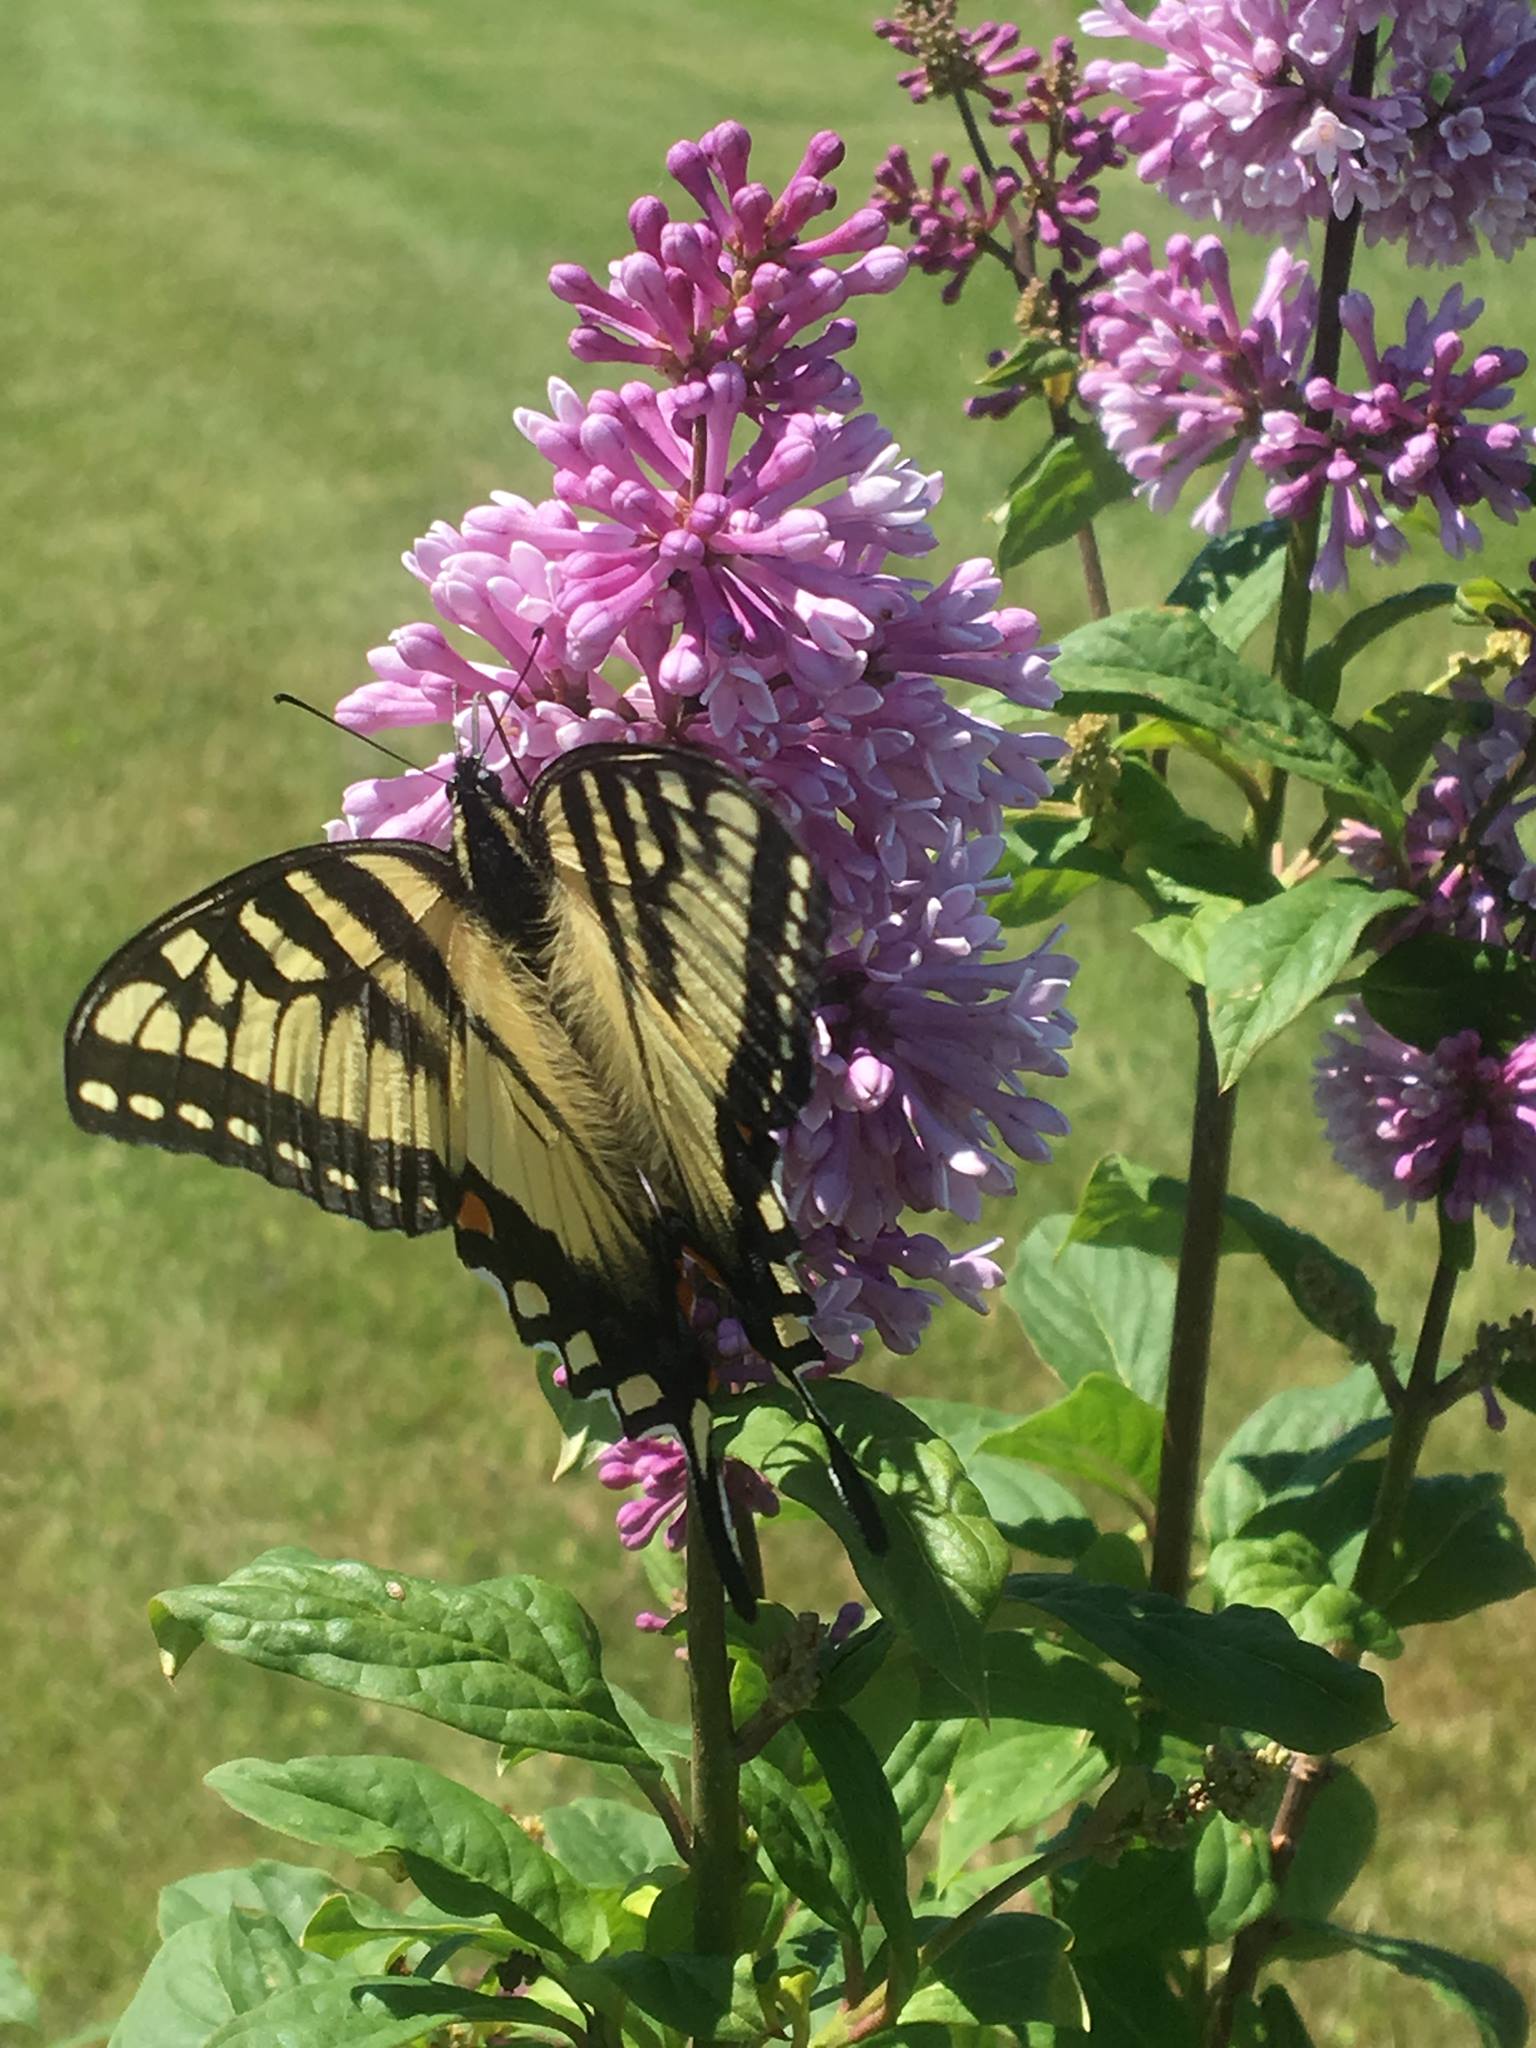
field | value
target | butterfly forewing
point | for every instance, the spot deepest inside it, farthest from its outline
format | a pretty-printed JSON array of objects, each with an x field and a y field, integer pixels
[
  {"x": 293, "y": 1020},
  {"x": 688, "y": 932}
]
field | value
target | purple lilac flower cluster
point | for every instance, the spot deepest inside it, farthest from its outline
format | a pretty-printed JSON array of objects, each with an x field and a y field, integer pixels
[
  {"x": 1179, "y": 379},
  {"x": 1281, "y": 112},
  {"x": 722, "y": 562},
  {"x": 1036, "y": 214},
  {"x": 1462, "y": 853},
  {"x": 1457, "y": 1121},
  {"x": 1456, "y": 1124}
]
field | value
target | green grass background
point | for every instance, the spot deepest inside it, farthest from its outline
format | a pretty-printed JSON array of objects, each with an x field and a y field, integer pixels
[{"x": 274, "y": 281}]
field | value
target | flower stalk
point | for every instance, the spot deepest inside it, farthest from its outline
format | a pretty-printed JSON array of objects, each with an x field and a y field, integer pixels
[
  {"x": 1189, "y": 1356},
  {"x": 716, "y": 1772}
]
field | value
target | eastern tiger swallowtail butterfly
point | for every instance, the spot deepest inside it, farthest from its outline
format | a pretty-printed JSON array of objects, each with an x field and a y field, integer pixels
[{"x": 570, "y": 1041}]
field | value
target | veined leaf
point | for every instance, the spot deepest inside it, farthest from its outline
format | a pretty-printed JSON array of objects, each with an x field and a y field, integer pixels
[
  {"x": 515, "y": 1660},
  {"x": 1267, "y": 964},
  {"x": 1170, "y": 661},
  {"x": 461, "y": 1852},
  {"x": 1059, "y": 492},
  {"x": 1242, "y": 1668}
]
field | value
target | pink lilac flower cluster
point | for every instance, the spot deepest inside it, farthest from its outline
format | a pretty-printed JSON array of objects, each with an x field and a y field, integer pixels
[
  {"x": 951, "y": 225},
  {"x": 1033, "y": 214},
  {"x": 1412, "y": 434},
  {"x": 951, "y": 59},
  {"x": 722, "y": 562},
  {"x": 1461, "y": 852},
  {"x": 1179, "y": 379},
  {"x": 1456, "y": 1124},
  {"x": 1177, "y": 376},
  {"x": 1273, "y": 115}
]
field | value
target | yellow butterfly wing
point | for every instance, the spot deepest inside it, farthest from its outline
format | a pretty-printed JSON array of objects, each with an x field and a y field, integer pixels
[
  {"x": 688, "y": 932},
  {"x": 340, "y": 1020}
]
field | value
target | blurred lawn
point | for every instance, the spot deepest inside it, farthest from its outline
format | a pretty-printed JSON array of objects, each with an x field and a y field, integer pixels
[{"x": 275, "y": 282}]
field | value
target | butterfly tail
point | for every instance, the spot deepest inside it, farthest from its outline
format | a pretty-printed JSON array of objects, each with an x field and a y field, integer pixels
[
  {"x": 710, "y": 1510},
  {"x": 854, "y": 1490}
]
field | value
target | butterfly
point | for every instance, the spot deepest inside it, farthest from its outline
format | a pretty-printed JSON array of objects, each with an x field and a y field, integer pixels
[{"x": 570, "y": 1040}]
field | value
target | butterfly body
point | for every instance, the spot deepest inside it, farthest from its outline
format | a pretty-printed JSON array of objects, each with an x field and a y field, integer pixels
[{"x": 570, "y": 1040}]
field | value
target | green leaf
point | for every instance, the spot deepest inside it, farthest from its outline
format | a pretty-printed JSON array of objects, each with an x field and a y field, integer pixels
[
  {"x": 18, "y": 2003},
  {"x": 1234, "y": 582},
  {"x": 1131, "y": 2003},
  {"x": 1032, "y": 1679},
  {"x": 1101, "y": 1432},
  {"x": 1036, "y": 361},
  {"x": 1476, "y": 1990},
  {"x": 943, "y": 1571},
  {"x": 395, "y": 2013},
  {"x": 803, "y": 1844},
  {"x": 1093, "y": 1309},
  {"x": 1144, "y": 1900},
  {"x": 1401, "y": 731},
  {"x": 1270, "y": 962},
  {"x": 1271, "y": 2022},
  {"x": 1011, "y": 1776},
  {"x": 208, "y": 1972},
  {"x": 606, "y": 1843},
  {"x": 1059, "y": 492},
  {"x": 1170, "y": 661},
  {"x": 1325, "y": 665},
  {"x": 1033, "y": 1510},
  {"x": 290, "y": 1892},
  {"x": 1180, "y": 860},
  {"x": 1243, "y": 1668},
  {"x": 514, "y": 1660},
  {"x": 460, "y": 1851},
  {"x": 1185, "y": 942},
  {"x": 1045, "y": 891},
  {"x": 1289, "y": 1446},
  {"x": 1430, "y": 986},
  {"x": 917, "y": 1769},
  {"x": 348, "y": 1921},
  {"x": 869, "y": 1821},
  {"x": 1127, "y": 1204},
  {"x": 1461, "y": 1550},
  {"x": 1331, "y": 1851},
  {"x": 707, "y": 1997},
  {"x": 1289, "y": 1573},
  {"x": 1008, "y": 1971},
  {"x": 1232, "y": 1881}
]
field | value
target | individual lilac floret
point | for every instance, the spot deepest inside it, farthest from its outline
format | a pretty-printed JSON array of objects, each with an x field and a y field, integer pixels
[
  {"x": 1178, "y": 377},
  {"x": 1411, "y": 434},
  {"x": 1455, "y": 1124},
  {"x": 659, "y": 1467},
  {"x": 1249, "y": 117},
  {"x": 1462, "y": 853},
  {"x": 951, "y": 225},
  {"x": 744, "y": 283},
  {"x": 952, "y": 59},
  {"x": 1470, "y": 169}
]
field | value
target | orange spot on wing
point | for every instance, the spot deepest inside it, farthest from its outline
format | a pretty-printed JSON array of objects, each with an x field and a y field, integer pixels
[{"x": 474, "y": 1215}]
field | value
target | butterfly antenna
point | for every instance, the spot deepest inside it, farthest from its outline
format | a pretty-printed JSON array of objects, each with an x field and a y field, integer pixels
[{"x": 325, "y": 718}]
